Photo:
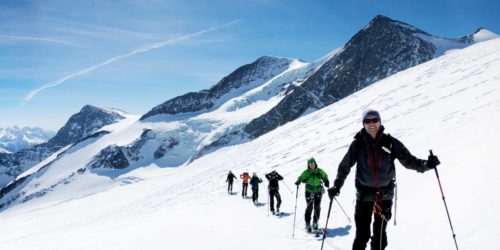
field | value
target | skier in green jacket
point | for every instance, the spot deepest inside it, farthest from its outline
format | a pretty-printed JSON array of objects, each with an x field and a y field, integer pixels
[{"x": 314, "y": 178}]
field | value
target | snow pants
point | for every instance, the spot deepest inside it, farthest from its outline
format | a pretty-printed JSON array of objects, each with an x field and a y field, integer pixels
[
  {"x": 255, "y": 194},
  {"x": 229, "y": 186},
  {"x": 363, "y": 218},
  {"x": 244, "y": 190},
  {"x": 274, "y": 193},
  {"x": 313, "y": 202}
]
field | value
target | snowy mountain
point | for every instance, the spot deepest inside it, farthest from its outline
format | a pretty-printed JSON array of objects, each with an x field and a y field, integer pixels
[
  {"x": 13, "y": 139},
  {"x": 238, "y": 82},
  {"x": 78, "y": 127},
  {"x": 382, "y": 48},
  {"x": 281, "y": 90},
  {"x": 233, "y": 111},
  {"x": 449, "y": 104}
]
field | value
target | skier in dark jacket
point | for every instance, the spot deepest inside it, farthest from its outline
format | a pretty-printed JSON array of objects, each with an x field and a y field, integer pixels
[
  {"x": 230, "y": 178},
  {"x": 255, "y": 188},
  {"x": 273, "y": 188},
  {"x": 374, "y": 152},
  {"x": 314, "y": 178}
]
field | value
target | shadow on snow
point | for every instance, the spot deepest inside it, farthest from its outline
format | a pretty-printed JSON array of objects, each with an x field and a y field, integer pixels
[{"x": 339, "y": 231}]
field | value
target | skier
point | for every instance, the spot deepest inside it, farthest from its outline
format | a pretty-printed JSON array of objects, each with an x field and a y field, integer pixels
[
  {"x": 246, "y": 178},
  {"x": 255, "y": 188},
  {"x": 273, "y": 189},
  {"x": 230, "y": 178},
  {"x": 374, "y": 152},
  {"x": 313, "y": 177}
]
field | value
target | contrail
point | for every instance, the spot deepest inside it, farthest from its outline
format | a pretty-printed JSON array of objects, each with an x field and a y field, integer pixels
[
  {"x": 157, "y": 45},
  {"x": 42, "y": 39}
]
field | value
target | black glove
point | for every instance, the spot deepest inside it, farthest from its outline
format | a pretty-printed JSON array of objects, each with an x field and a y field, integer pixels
[
  {"x": 327, "y": 183},
  {"x": 432, "y": 161},
  {"x": 297, "y": 183},
  {"x": 333, "y": 191}
]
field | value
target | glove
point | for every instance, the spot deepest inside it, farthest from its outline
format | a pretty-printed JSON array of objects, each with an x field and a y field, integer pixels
[
  {"x": 333, "y": 191},
  {"x": 432, "y": 161},
  {"x": 297, "y": 183},
  {"x": 327, "y": 183}
]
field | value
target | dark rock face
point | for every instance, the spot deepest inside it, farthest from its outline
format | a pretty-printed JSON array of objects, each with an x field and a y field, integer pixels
[
  {"x": 248, "y": 75},
  {"x": 82, "y": 124},
  {"x": 110, "y": 157},
  {"x": 381, "y": 49},
  {"x": 169, "y": 143},
  {"x": 120, "y": 157},
  {"x": 78, "y": 127}
]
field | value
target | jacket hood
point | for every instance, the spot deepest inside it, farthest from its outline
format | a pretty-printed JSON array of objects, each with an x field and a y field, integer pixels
[{"x": 311, "y": 160}]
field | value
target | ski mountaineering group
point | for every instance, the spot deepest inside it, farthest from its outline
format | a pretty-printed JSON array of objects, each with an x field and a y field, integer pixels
[{"x": 373, "y": 152}]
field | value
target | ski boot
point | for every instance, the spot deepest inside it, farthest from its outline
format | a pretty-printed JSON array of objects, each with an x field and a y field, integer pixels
[{"x": 308, "y": 228}]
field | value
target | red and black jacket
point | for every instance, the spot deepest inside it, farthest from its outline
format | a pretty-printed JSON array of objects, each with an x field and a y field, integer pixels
[{"x": 375, "y": 169}]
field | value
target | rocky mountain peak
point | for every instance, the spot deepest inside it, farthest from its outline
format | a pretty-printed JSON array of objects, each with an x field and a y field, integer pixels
[
  {"x": 83, "y": 124},
  {"x": 242, "y": 79},
  {"x": 380, "y": 49}
]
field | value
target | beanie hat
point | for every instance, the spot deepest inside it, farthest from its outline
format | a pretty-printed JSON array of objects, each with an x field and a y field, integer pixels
[{"x": 369, "y": 112}]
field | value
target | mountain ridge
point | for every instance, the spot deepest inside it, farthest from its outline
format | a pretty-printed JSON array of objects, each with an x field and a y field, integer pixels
[{"x": 179, "y": 139}]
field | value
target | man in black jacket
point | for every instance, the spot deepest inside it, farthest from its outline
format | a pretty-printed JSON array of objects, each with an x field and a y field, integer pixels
[
  {"x": 374, "y": 152},
  {"x": 230, "y": 178},
  {"x": 255, "y": 188},
  {"x": 274, "y": 187}
]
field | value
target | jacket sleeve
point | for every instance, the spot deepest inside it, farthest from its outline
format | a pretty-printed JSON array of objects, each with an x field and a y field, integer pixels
[
  {"x": 268, "y": 177},
  {"x": 407, "y": 159},
  {"x": 279, "y": 177},
  {"x": 302, "y": 177},
  {"x": 324, "y": 177},
  {"x": 345, "y": 166}
]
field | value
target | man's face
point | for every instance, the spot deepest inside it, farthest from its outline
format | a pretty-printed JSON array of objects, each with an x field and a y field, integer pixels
[
  {"x": 312, "y": 165},
  {"x": 372, "y": 125}
]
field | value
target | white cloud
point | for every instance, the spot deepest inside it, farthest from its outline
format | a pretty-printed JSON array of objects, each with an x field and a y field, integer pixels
[
  {"x": 149, "y": 47},
  {"x": 41, "y": 39}
]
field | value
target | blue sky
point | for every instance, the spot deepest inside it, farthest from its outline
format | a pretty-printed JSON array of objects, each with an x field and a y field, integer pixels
[{"x": 134, "y": 55}]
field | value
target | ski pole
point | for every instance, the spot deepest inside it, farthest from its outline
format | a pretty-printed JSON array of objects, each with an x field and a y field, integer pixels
[
  {"x": 268, "y": 199},
  {"x": 326, "y": 225},
  {"x": 288, "y": 187},
  {"x": 446, "y": 206},
  {"x": 395, "y": 204},
  {"x": 295, "y": 213},
  {"x": 343, "y": 210}
]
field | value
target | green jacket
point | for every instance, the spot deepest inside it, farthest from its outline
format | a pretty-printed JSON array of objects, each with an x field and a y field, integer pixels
[{"x": 312, "y": 179}]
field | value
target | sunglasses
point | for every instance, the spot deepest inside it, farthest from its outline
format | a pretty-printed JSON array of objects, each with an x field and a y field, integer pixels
[{"x": 372, "y": 120}]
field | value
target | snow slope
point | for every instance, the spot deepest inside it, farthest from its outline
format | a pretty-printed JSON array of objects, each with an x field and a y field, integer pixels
[
  {"x": 190, "y": 131},
  {"x": 450, "y": 104}
]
